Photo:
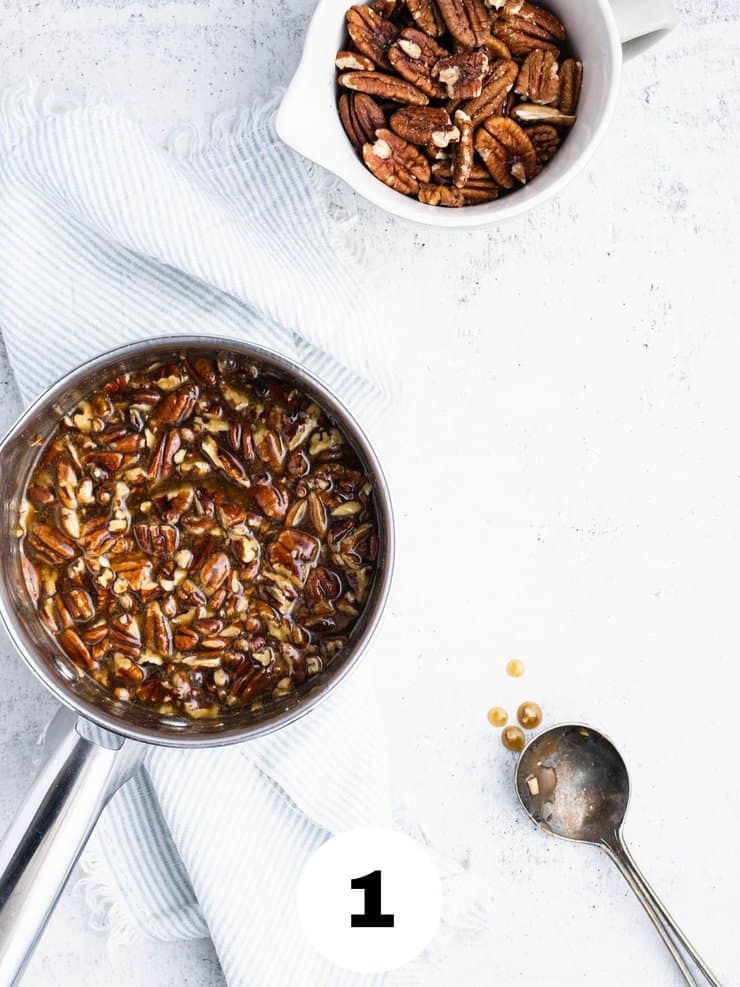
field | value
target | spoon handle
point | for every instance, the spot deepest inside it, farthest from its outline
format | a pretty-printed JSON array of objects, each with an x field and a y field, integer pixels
[{"x": 675, "y": 940}]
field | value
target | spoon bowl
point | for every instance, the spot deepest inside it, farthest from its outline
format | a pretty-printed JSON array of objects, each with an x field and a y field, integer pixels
[{"x": 574, "y": 784}]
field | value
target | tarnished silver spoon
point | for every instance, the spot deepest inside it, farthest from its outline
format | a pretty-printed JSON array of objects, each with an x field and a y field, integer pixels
[{"x": 574, "y": 784}]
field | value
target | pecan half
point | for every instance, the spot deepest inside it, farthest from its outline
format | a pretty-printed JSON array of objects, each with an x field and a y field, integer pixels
[
  {"x": 371, "y": 33},
  {"x": 427, "y": 16},
  {"x": 361, "y": 117},
  {"x": 424, "y": 125},
  {"x": 480, "y": 190},
  {"x": 464, "y": 151},
  {"x": 496, "y": 89},
  {"x": 468, "y": 21},
  {"x": 441, "y": 195},
  {"x": 523, "y": 26},
  {"x": 270, "y": 498},
  {"x": 571, "y": 77},
  {"x": 384, "y": 86},
  {"x": 546, "y": 141},
  {"x": 396, "y": 162},
  {"x": 225, "y": 461},
  {"x": 462, "y": 74},
  {"x": 496, "y": 48},
  {"x": 506, "y": 151},
  {"x": 347, "y": 61},
  {"x": 538, "y": 80},
  {"x": 157, "y": 539},
  {"x": 534, "y": 113},
  {"x": 323, "y": 586},
  {"x": 49, "y": 543},
  {"x": 157, "y": 632},
  {"x": 75, "y": 647},
  {"x": 125, "y": 635},
  {"x": 413, "y": 55},
  {"x": 162, "y": 460},
  {"x": 214, "y": 571},
  {"x": 176, "y": 407}
]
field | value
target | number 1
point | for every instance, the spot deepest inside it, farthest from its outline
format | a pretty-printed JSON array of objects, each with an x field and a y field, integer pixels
[{"x": 372, "y": 917}]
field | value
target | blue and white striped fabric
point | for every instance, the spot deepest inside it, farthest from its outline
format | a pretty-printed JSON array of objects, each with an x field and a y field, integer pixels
[{"x": 104, "y": 239}]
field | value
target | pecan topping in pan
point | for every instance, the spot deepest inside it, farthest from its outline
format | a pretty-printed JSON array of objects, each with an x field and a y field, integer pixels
[{"x": 200, "y": 536}]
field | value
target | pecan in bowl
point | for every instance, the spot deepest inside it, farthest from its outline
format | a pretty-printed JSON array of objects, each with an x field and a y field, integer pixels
[
  {"x": 431, "y": 91},
  {"x": 202, "y": 537}
]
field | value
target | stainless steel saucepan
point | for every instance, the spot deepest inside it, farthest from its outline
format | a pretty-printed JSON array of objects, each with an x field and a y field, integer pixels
[{"x": 84, "y": 765}]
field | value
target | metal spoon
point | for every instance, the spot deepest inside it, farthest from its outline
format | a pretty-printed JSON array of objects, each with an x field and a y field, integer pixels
[{"x": 573, "y": 783}]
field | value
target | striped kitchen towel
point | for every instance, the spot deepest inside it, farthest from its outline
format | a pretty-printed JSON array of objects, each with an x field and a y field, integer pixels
[{"x": 107, "y": 238}]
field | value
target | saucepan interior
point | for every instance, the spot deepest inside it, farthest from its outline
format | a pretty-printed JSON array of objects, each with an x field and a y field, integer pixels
[{"x": 18, "y": 452}]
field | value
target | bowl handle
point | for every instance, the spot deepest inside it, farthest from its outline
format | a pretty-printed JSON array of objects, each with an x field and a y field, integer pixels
[
  {"x": 643, "y": 22},
  {"x": 76, "y": 779},
  {"x": 305, "y": 133}
]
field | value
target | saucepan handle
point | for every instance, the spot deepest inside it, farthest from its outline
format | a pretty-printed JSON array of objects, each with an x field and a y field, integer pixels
[
  {"x": 642, "y": 22},
  {"x": 42, "y": 844}
]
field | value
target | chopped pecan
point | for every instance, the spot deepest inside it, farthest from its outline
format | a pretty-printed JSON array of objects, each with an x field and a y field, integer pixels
[
  {"x": 384, "y": 86},
  {"x": 424, "y": 125},
  {"x": 464, "y": 150},
  {"x": 396, "y": 162},
  {"x": 371, "y": 33},
  {"x": 534, "y": 113},
  {"x": 441, "y": 195},
  {"x": 427, "y": 17},
  {"x": 538, "y": 80},
  {"x": 348, "y": 61},
  {"x": 468, "y": 21},
  {"x": 523, "y": 26},
  {"x": 462, "y": 74},
  {"x": 571, "y": 77},
  {"x": 546, "y": 141},
  {"x": 506, "y": 151},
  {"x": 107, "y": 461},
  {"x": 67, "y": 484},
  {"x": 496, "y": 88},
  {"x": 414, "y": 55}
]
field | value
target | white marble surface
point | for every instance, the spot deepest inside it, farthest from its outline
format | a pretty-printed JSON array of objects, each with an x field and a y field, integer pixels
[{"x": 566, "y": 475}]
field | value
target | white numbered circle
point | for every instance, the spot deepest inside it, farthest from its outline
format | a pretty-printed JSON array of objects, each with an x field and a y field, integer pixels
[{"x": 370, "y": 900}]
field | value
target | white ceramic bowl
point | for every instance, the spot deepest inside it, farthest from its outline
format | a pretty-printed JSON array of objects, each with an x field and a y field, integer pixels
[{"x": 309, "y": 122}]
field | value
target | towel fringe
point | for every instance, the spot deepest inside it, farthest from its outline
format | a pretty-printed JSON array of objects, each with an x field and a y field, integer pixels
[
  {"x": 466, "y": 912},
  {"x": 245, "y": 126},
  {"x": 107, "y": 910}
]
